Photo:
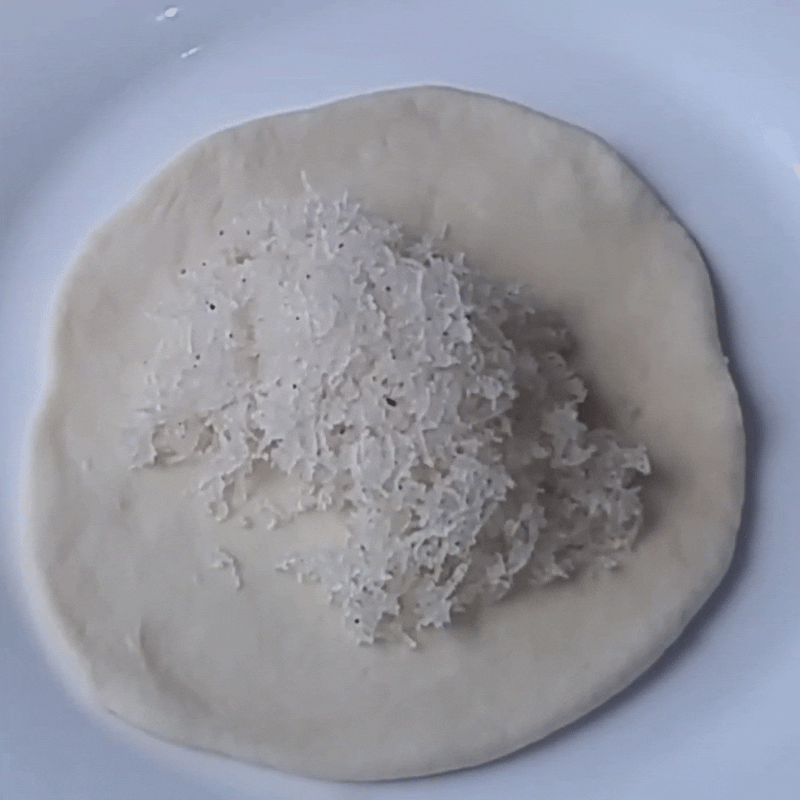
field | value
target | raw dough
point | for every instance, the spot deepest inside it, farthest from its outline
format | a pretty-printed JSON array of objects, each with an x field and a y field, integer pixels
[{"x": 118, "y": 560}]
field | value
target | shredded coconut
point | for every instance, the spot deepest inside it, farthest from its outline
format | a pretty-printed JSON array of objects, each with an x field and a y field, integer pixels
[
  {"x": 434, "y": 408},
  {"x": 224, "y": 560}
]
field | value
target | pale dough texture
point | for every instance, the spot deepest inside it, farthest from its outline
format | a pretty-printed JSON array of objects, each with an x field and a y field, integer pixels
[{"x": 119, "y": 560}]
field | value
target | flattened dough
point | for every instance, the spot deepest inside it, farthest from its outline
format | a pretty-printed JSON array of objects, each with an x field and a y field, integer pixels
[{"x": 118, "y": 561}]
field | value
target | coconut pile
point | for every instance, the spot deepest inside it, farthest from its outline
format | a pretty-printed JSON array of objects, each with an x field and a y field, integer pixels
[{"x": 436, "y": 410}]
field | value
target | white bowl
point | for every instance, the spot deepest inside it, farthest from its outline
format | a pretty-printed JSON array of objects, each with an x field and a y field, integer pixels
[{"x": 701, "y": 97}]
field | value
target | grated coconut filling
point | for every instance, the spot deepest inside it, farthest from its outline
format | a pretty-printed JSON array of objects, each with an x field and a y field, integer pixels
[{"x": 433, "y": 408}]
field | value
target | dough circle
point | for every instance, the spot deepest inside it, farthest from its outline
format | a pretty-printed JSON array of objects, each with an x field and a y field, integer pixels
[{"x": 118, "y": 560}]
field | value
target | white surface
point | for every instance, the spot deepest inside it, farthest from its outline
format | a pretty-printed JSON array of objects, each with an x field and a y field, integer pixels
[{"x": 700, "y": 96}]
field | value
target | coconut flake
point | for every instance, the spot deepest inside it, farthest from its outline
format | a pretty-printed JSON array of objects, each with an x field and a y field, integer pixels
[
  {"x": 434, "y": 408},
  {"x": 222, "y": 559}
]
